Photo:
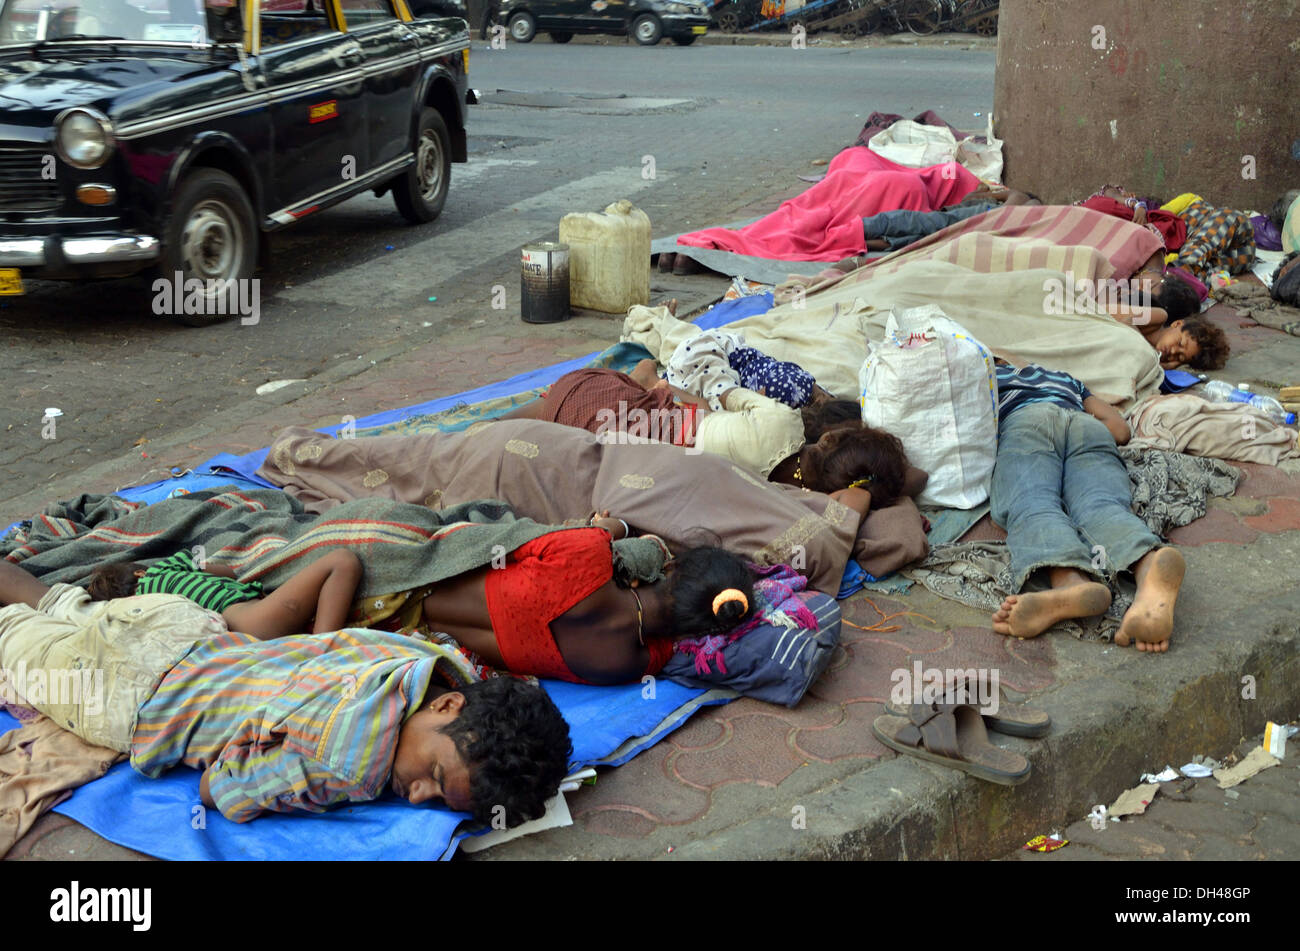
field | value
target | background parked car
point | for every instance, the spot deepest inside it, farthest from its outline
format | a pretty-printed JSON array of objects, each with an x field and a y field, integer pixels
[
  {"x": 166, "y": 134},
  {"x": 646, "y": 21}
]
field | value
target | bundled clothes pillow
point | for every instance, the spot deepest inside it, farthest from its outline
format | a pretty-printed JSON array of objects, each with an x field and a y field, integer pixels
[{"x": 775, "y": 656}]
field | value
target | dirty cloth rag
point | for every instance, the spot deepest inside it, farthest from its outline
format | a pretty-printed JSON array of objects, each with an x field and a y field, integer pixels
[
  {"x": 1170, "y": 489},
  {"x": 40, "y": 765},
  {"x": 1254, "y": 301}
]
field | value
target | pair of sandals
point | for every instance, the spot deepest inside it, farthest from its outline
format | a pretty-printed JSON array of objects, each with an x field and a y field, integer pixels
[{"x": 956, "y": 735}]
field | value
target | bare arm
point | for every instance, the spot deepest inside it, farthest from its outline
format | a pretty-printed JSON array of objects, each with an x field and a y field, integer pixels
[
  {"x": 204, "y": 794},
  {"x": 19, "y": 587},
  {"x": 858, "y": 499},
  {"x": 1109, "y": 417}
]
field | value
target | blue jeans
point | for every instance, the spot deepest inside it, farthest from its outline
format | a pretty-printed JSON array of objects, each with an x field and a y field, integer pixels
[
  {"x": 1062, "y": 493},
  {"x": 901, "y": 228}
]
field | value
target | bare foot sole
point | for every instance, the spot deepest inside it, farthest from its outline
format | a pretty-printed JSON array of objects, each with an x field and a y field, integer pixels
[
  {"x": 1149, "y": 623},
  {"x": 1028, "y": 615}
]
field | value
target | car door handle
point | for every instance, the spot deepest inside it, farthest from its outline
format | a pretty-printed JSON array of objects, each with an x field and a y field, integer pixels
[
  {"x": 351, "y": 54},
  {"x": 406, "y": 36}
]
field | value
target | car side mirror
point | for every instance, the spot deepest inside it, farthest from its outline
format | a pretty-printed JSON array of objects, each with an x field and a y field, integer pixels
[{"x": 225, "y": 23}]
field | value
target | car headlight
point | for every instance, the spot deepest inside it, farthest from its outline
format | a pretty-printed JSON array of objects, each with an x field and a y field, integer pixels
[
  {"x": 678, "y": 7},
  {"x": 83, "y": 137}
]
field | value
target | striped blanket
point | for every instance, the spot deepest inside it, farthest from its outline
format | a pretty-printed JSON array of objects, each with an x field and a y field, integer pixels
[
  {"x": 993, "y": 274},
  {"x": 268, "y": 536}
]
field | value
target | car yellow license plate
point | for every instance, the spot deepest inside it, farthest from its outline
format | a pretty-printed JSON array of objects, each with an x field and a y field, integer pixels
[
  {"x": 11, "y": 281},
  {"x": 699, "y": 29}
]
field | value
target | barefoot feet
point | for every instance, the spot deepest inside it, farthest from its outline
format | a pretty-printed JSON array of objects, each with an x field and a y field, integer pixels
[
  {"x": 1028, "y": 615},
  {"x": 1150, "y": 621}
]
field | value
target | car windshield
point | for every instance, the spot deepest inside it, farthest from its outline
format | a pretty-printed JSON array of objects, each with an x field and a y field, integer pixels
[{"x": 55, "y": 21}]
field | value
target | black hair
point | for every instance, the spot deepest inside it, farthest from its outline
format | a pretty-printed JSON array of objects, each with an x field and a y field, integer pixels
[
  {"x": 849, "y": 455},
  {"x": 115, "y": 580},
  {"x": 829, "y": 414},
  {"x": 1032, "y": 197},
  {"x": 1178, "y": 298},
  {"x": 1282, "y": 206},
  {"x": 516, "y": 745},
  {"x": 1211, "y": 343},
  {"x": 698, "y": 576}
]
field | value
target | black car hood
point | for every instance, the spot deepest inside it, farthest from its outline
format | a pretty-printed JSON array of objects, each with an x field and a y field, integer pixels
[{"x": 34, "y": 88}]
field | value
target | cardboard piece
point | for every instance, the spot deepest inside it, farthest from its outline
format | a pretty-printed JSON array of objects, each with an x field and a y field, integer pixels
[
  {"x": 1259, "y": 759},
  {"x": 1134, "y": 802}
]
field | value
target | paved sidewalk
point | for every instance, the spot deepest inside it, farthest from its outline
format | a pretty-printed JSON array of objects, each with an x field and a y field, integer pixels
[{"x": 748, "y": 780}]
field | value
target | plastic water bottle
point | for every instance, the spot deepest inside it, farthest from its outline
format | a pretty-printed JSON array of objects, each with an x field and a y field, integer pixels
[{"x": 1217, "y": 391}]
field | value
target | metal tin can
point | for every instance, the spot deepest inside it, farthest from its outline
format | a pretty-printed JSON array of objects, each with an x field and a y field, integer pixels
[{"x": 544, "y": 283}]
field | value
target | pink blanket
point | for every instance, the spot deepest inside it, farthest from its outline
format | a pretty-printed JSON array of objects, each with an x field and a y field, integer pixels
[{"x": 825, "y": 222}]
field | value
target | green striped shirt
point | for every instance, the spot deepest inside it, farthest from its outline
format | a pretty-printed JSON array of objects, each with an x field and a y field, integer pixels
[{"x": 178, "y": 575}]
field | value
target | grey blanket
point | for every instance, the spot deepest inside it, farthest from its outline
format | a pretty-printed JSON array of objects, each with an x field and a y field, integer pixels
[{"x": 1170, "y": 489}]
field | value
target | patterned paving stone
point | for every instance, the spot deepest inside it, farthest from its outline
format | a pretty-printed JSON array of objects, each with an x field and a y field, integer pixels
[
  {"x": 850, "y": 739},
  {"x": 1217, "y": 526},
  {"x": 755, "y": 749},
  {"x": 1264, "y": 482},
  {"x": 1283, "y": 515}
]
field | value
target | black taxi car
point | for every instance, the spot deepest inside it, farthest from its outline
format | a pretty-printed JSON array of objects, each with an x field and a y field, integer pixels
[
  {"x": 646, "y": 21},
  {"x": 172, "y": 134}
]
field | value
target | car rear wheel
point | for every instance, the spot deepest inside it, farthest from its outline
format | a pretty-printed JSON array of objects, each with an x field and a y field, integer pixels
[
  {"x": 211, "y": 237},
  {"x": 560, "y": 37},
  {"x": 684, "y": 40},
  {"x": 523, "y": 27},
  {"x": 421, "y": 191},
  {"x": 647, "y": 30}
]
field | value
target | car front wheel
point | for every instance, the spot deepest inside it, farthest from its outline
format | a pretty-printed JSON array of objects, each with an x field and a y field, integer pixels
[
  {"x": 647, "y": 30},
  {"x": 421, "y": 191},
  {"x": 523, "y": 27},
  {"x": 211, "y": 236}
]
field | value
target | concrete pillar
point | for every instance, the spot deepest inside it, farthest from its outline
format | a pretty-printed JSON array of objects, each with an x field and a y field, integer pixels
[{"x": 1162, "y": 96}]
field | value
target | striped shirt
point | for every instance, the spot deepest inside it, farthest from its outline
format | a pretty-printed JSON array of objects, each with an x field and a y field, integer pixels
[
  {"x": 1034, "y": 384},
  {"x": 294, "y": 723},
  {"x": 178, "y": 575}
]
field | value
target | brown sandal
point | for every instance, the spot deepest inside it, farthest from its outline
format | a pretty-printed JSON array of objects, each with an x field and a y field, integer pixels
[
  {"x": 1013, "y": 719},
  {"x": 951, "y": 734}
]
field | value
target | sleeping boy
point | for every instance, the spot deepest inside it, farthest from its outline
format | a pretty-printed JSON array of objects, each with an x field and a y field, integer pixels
[
  {"x": 1063, "y": 495},
  {"x": 302, "y": 722}
]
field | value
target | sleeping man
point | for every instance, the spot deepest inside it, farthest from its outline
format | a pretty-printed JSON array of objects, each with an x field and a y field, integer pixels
[{"x": 296, "y": 723}]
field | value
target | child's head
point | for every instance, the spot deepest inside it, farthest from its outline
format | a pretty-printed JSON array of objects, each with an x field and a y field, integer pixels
[
  {"x": 1194, "y": 341},
  {"x": 1286, "y": 281},
  {"x": 829, "y": 414},
  {"x": 842, "y": 457},
  {"x": 116, "y": 580},
  {"x": 501, "y": 742},
  {"x": 709, "y": 589},
  {"x": 1283, "y": 205},
  {"x": 1176, "y": 297}
]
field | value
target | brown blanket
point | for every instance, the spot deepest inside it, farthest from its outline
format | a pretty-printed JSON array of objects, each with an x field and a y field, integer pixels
[{"x": 552, "y": 473}]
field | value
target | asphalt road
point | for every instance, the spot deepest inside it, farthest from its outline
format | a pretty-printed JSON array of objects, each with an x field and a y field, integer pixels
[{"x": 562, "y": 129}]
